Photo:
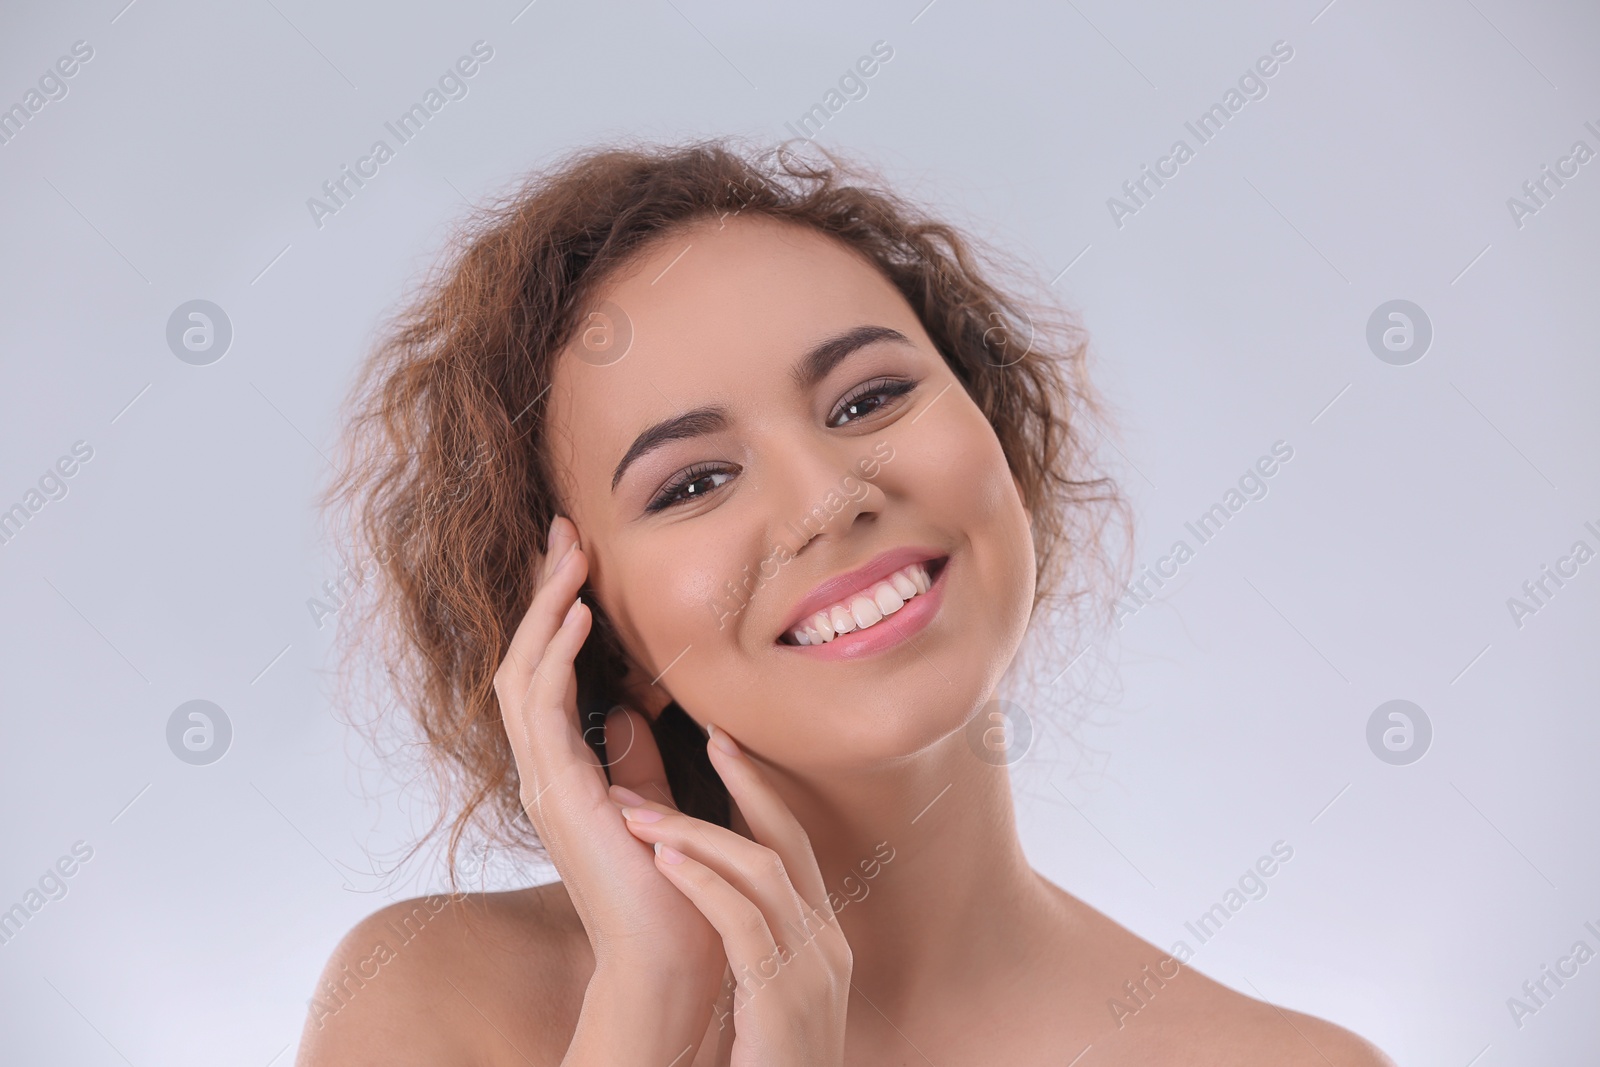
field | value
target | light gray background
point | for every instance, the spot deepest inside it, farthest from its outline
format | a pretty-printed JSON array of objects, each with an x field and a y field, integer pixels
[{"x": 1227, "y": 314}]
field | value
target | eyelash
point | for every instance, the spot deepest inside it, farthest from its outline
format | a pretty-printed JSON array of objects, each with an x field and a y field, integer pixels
[
  {"x": 889, "y": 387},
  {"x": 668, "y": 498}
]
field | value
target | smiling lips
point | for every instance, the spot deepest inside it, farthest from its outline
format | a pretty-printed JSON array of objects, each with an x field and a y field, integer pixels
[{"x": 865, "y": 609}]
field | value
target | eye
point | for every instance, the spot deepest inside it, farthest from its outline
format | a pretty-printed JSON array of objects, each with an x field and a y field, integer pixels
[
  {"x": 690, "y": 485},
  {"x": 869, "y": 398}
]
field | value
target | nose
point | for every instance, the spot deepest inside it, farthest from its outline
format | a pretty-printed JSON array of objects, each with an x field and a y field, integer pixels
[{"x": 824, "y": 493}]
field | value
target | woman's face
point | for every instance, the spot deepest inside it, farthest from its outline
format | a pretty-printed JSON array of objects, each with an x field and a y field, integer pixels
[{"x": 779, "y": 420}]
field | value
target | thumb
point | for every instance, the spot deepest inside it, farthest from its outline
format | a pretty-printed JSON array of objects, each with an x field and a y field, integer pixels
[{"x": 632, "y": 757}]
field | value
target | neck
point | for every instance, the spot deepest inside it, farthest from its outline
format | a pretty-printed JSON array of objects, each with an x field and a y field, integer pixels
[{"x": 924, "y": 867}]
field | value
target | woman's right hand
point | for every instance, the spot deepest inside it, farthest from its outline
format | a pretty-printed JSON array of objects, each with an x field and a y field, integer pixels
[{"x": 655, "y": 953}]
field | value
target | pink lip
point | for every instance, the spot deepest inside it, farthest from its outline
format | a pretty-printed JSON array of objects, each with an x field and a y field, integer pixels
[{"x": 906, "y": 621}]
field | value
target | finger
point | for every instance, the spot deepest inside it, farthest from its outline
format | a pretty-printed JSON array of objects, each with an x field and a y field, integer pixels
[
  {"x": 746, "y": 938},
  {"x": 519, "y": 671},
  {"x": 563, "y": 534},
  {"x": 633, "y": 759},
  {"x": 551, "y": 747},
  {"x": 542, "y": 618},
  {"x": 755, "y": 870},
  {"x": 769, "y": 818}
]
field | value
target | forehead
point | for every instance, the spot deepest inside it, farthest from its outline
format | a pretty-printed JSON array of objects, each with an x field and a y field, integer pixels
[{"x": 714, "y": 313}]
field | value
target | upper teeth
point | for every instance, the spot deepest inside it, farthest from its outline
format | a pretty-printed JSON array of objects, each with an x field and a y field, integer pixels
[{"x": 865, "y": 609}]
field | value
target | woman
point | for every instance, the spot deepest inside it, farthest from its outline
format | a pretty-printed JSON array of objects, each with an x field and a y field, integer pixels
[{"x": 739, "y": 472}]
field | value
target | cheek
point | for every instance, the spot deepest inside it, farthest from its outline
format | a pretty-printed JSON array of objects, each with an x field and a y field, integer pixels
[
  {"x": 687, "y": 622},
  {"x": 681, "y": 599},
  {"x": 973, "y": 495},
  {"x": 961, "y": 473}
]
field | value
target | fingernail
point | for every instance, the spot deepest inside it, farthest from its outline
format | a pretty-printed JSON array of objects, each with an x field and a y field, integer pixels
[
  {"x": 642, "y": 815},
  {"x": 721, "y": 739},
  {"x": 668, "y": 854},
  {"x": 627, "y": 796},
  {"x": 572, "y": 611},
  {"x": 565, "y": 556}
]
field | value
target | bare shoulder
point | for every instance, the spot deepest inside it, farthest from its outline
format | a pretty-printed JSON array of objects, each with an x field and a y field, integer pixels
[
  {"x": 479, "y": 978},
  {"x": 1236, "y": 1028},
  {"x": 1325, "y": 1042},
  {"x": 1158, "y": 1008}
]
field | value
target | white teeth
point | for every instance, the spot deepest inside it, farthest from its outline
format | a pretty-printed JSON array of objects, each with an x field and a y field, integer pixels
[{"x": 865, "y": 609}]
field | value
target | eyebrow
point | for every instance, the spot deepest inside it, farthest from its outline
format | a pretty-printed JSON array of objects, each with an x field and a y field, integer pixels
[
  {"x": 811, "y": 368},
  {"x": 816, "y": 364},
  {"x": 696, "y": 423}
]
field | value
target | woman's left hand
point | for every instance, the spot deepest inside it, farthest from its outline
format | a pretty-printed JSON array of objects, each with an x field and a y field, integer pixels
[{"x": 767, "y": 900}]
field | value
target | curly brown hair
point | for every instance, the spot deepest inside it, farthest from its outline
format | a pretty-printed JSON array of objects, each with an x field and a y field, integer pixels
[{"x": 446, "y": 484}]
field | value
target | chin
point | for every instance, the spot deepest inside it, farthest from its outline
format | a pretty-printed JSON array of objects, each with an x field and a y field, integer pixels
[{"x": 862, "y": 726}]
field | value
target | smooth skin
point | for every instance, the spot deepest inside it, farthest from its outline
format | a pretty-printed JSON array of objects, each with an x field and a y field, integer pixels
[{"x": 958, "y": 952}]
